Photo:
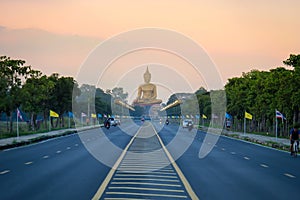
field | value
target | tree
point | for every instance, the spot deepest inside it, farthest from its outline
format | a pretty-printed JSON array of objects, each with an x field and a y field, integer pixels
[
  {"x": 62, "y": 94},
  {"x": 36, "y": 98},
  {"x": 12, "y": 73},
  {"x": 294, "y": 61}
]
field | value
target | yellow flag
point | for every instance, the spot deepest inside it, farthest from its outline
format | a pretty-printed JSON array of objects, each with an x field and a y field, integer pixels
[
  {"x": 53, "y": 114},
  {"x": 204, "y": 116},
  {"x": 93, "y": 115},
  {"x": 248, "y": 115}
]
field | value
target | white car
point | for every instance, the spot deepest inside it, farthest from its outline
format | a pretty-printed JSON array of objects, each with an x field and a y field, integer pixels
[{"x": 186, "y": 123}]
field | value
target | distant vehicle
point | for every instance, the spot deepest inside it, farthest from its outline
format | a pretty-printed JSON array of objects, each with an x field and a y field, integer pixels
[
  {"x": 187, "y": 123},
  {"x": 118, "y": 122},
  {"x": 112, "y": 121},
  {"x": 167, "y": 122}
]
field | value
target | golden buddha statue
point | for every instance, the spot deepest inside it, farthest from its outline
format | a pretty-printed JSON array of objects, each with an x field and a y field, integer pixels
[{"x": 147, "y": 93}]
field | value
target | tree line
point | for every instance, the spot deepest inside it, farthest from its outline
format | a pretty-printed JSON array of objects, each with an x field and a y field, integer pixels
[
  {"x": 36, "y": 94},
  {"x": 262, "y": 92},
  {"x": 257, "y": 92}
]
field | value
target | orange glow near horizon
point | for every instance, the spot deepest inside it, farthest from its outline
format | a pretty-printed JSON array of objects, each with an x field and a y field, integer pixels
[{"x": 237, "y": 35}]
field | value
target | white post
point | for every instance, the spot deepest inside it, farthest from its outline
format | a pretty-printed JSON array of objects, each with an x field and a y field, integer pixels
[
  {"x": 17, "y": 126},
  {"x": 276, "y": 127},
  {"x": 244, "y": 125},
  {"x": 49, "y": 123}
]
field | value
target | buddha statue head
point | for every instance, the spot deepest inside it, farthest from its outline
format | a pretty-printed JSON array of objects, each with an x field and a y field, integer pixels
[{"x": 147, "y": 76}]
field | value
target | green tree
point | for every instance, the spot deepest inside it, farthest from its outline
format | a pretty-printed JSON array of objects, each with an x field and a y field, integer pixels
[{"x": 12, "y": 73}]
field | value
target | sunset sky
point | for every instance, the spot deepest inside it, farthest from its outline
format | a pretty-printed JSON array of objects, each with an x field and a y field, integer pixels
[{"x": 58, "y": 35}]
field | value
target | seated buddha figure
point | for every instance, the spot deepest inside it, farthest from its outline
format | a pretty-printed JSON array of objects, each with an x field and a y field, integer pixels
[{"x": 147, "y": 93}]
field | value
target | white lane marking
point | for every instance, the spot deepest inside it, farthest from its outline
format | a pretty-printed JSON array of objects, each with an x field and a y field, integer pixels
[
  {"x": 147, "y": 179},
  {"x": 233, "y": 153},
  {"x": 183, "y": 179},
  {"x": 223, "y": 149},
  {"x": 58, "y": 151},
  {"x": 209, "y": 143},
  {"x": 68, "y": 148},
  {"x": 147, "y": 194},
  {"x": 144, "y": 183},
  {"x": 263, "y": 165},
  {"x": 4, "y": 172},
  {"x": 289, "y": 175},
  {"x": 28, "y": 163},
  {"x": 143, "y": 188},
  {"x": 246, "y": 158},
  {"x": 110, "y": 174},
  {"x": 145, "y": 175},
  {"x": 46, "y": 157},
  {"x": 76, "y": 145}
]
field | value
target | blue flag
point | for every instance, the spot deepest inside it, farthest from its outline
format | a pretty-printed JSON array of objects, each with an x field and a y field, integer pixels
[
  {"x": 228, "y": 116},
  {"x": 70, "y": 114},
  {"x": 99, "y": 116}
]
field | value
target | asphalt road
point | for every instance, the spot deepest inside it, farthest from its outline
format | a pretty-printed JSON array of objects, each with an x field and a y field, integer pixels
[
  {"x": 63, "y": 168},
  {"x": 238, "y": 170}
]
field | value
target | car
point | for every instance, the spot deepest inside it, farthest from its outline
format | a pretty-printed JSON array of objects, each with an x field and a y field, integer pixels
[
  {"x": 112, "y": 121},
  {"x": 186, "y": 123},
  {"x": 118, "y": 122}
]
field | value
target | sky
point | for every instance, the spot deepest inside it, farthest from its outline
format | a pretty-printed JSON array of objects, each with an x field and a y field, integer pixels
[{"x": 57, "y": 36}]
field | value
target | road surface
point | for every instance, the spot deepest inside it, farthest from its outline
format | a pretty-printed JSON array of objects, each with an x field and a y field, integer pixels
[{"x": 64, "y": 168}]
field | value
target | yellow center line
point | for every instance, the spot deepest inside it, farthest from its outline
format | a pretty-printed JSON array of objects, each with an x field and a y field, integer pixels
[
  {"x": 185, "y": 182},
  {"x": 113, "y": 169}
]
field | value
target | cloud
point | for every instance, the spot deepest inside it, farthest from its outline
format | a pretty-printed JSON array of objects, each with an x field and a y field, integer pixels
[{"x": 46, "y": 51}]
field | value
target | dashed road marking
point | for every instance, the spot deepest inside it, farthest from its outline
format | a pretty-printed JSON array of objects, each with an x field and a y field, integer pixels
[
  {"x": 263, "y": 165},
  {"x": 4, "y": 172},
  {"x": 28, "y": 163},
  {"x": 289, "y": 175},
  {"x": 223, "y": 149},
  {"x": 58, "y": 151},
  {"x": 45, "y": 157},
  {"x": 246, "y": 158},
  {"x": 68, "y": 148},
  {"x": 76, "y": 145},
  {"x": 233, "y": 153}
]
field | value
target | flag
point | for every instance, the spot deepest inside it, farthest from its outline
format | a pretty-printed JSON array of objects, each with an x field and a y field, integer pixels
[
  {"x": 53, "y": 114},
  {"x": 248, "y": 115},
  {"x": 70, "y": 115},
  {"x": 93, "y": 115},
  {"x": 19, "y": 115},
  {"x": 104, "y": 115},
  {"x": 99, "y": 116},
  {"x": 204, "y": 116},
  {"x": 197, "y": 116},
  {"x": 228, "y": 116},
  {"x": 83, "y": 114},
  {"x": 279, "y": 115}
]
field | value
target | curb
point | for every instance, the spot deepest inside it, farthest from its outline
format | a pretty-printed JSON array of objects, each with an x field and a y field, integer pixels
[{"x": 43, "y": 138}]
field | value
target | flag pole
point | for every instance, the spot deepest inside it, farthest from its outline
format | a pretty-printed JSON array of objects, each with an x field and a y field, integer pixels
[
  {"x": 276, "y": 127},
  {"x": 17, "y": 125},
  {"x": 244, "y": 125},
  {"x": 49, "y": 123}
]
